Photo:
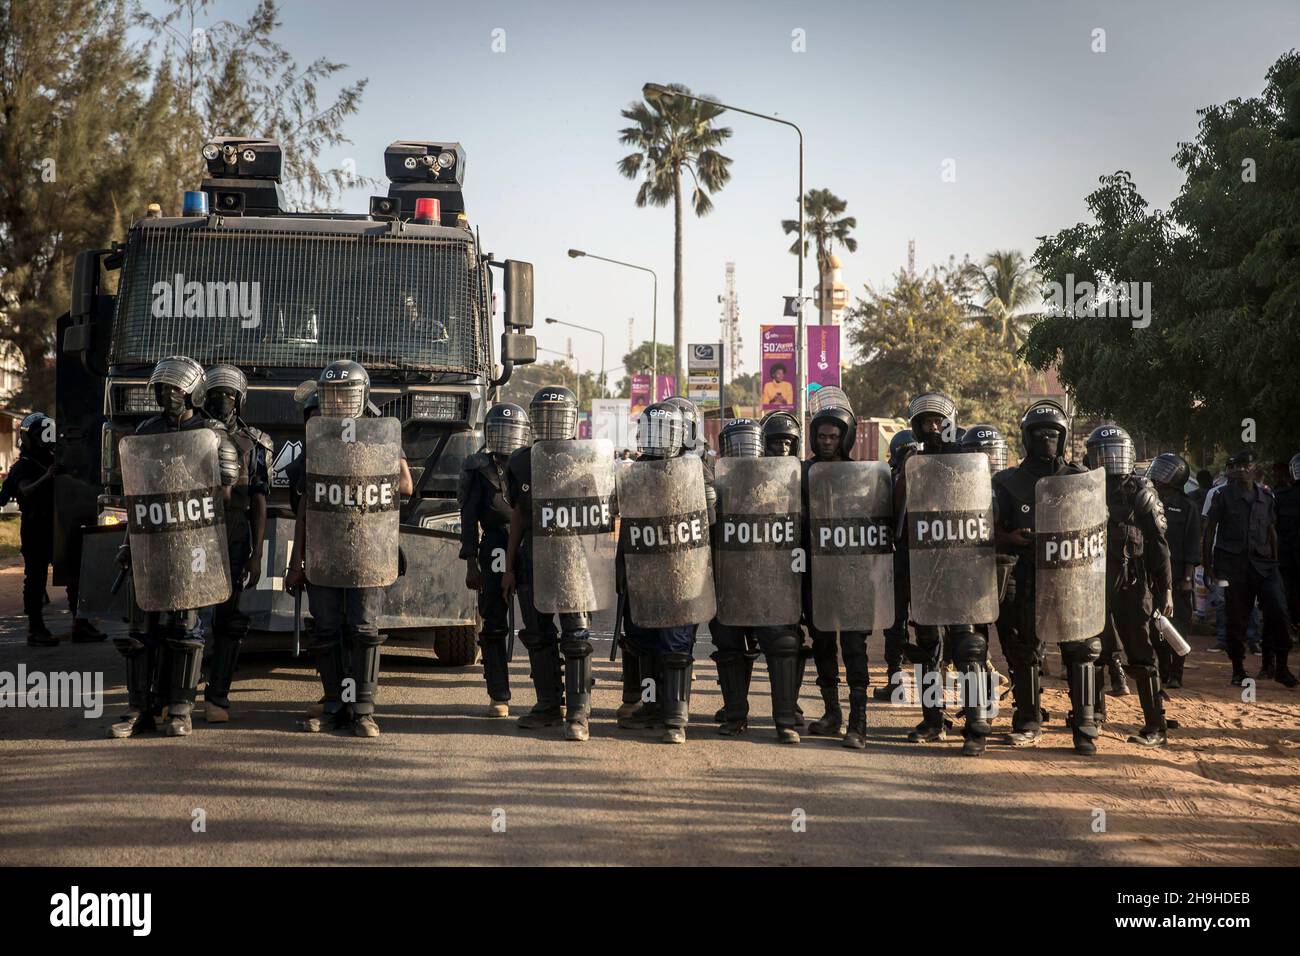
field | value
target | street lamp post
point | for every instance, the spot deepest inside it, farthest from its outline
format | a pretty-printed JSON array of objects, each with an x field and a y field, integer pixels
[
  {"x": 575, "y": 325},
  {"x": 654, "y": 320},
  {"x": 654, "y": 91}
]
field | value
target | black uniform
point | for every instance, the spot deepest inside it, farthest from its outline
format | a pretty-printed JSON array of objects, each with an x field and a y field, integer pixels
[
  {"x": 1137, "y": 576},
  {"x": 540, "y": 635},
  {"x": 1184, "y": 538},
  {"x": 36, "y": 531},
  {"x": 164, "y": 651},
  {"x": 484, "y": 537},
  {"x": 1013, "y": 491},
  {"x": 229, "y": 624}
]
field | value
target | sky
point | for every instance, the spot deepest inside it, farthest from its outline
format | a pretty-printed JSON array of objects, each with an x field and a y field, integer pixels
[{"x": 1008, "y": 95}]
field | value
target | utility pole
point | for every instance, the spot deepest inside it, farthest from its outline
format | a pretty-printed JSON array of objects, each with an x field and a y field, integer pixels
[{"x": 730, "y": 321}]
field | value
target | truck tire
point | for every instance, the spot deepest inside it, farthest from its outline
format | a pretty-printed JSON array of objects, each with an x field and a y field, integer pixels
[{"x": 456, "y": 646}]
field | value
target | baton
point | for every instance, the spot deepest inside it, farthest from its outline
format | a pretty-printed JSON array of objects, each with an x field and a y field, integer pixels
[
  {"x": 118, "y": 581},
  {"x": 510, "y": 624},
  {"x": 297, "y": 621},
  {"x": 618, "y": 626}
]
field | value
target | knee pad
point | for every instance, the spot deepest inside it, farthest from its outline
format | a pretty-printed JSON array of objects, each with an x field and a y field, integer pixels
[
  {"x": 785, "y": 644},
  {"x": 1081, "y": 652}
]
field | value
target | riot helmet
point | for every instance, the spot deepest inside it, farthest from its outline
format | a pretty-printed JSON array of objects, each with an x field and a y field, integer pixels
[
  {"x": 899, "y": 444},
  {"x": 989, "y": 440},
  {"x": 183, "y": 374},
  {"x": 829, "y": 405},
  {"x": 926, "y": 406},
  {"x": 506, "y": 428},
  {"x": 1044, "y": 430},
  {"x": 554, "y": 414},
  {"x": 1169, "y": 469},
  {"x": 661, "y": 431},
  {"x": 227, "y": 387},
  {"x": 1295, "y": 467},
  {"x": 741, "y": 438},
  {"x": 693, "y": 422},
  {"x": 1110, "y": 448},
  {"x": 782, "y": 436},
  {"x": 32, "y": 432},
  {"x": 344, "y": 389}
]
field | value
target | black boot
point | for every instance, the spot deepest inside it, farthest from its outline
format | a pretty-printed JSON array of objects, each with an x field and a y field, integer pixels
[
  {"x": 496, "y": 673},
  {"x": 185, "y": 658},
  {"x": 783, "y": 673},
  {"x": 648, "y": 715},
  {"x": 1239, "y": 674},
  {"x": 1281, "y": 673},
  {"x": 577, "y": 688},
  {"x": 138, "y": 719},
  {"x": 38, "y": 635},
  {"x": 855, "y": 735},
  {"x": 1118, "y": 685},
  {"x": 676, "y": 695},
  {"x": 544, "y": 667},
  {"x": 365, "y": 669},
  {"x": 332, "y": 666},
  {"x": 735, "y": 669},
  {"x": 216, "y": 694},
  {"x": 802, "y": 661},
  {"x": 631, "y": 681},
  {"x": 1153, "y": 732},
  {"x": 1083, "y": 703},
  {"x": 932, "y": 726},
  {"x": 1267, "y": 664},
  {"x": 893, "y": 676},
  {"x": 828, "y": 725},
  {"x": 975, "y": 697},
  {"x": 1026, "y": 721}
]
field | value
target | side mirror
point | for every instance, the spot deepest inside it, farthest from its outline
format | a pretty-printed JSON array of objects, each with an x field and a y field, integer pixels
[
  {"x": 76, "y": 339},
  {"x": 518, "y": 349},
  {"x": 85, "y": 285},
  {"x": 519, "y": 294}
]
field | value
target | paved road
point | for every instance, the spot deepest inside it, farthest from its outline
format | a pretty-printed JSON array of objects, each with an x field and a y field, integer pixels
[{"x": 428, "y": 789}]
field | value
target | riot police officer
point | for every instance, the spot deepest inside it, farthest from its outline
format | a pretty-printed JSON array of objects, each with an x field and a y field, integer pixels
[
  {"x": 933, "y": 419},
  {"x": 30, "y": 482},
  {"x": 484, "y": 536},
  {"x": 781, "y": 435},
  {"x": 345, "y": 636},
  {"x": 554, "y": 416},
  {"x": 835, "y": 431},
  {"x": 1137, "y": 584},
  {"x": 1169, "y": 473},
  {"x": 737, "y": 647},
  {"x": 666, "y": 653},
  {"x": 245, "y": 532},
  {"x": 164, "y": 650},
  {"x": 1044, "y": 436}
]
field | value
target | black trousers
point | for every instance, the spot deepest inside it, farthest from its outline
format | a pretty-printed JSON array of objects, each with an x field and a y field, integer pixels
[
  {"x": 853, "y": 645},
  {"x": 492, "y": 605},
  {"x": 36, "y": 570},
  {"x": 1128, "y": 619},
  {"x": 1242, "y": 593}
]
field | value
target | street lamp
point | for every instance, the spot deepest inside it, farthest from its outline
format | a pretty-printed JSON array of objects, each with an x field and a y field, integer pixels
[
  {"x": 574, "y": 325},
  {"x": 654, "y": 321},
  {"x": 657, "y": 91},
  {"x": 576, "y": 364}
]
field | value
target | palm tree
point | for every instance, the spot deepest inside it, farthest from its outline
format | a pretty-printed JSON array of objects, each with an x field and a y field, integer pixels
[
  {"x": 820, "y": 207},
  {"x": 1006, "y": 295},
  {"x": 672, "y": 134}
]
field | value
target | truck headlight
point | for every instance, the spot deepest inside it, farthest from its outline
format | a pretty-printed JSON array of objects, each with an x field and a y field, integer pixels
[{"x": 437, "y": 406}]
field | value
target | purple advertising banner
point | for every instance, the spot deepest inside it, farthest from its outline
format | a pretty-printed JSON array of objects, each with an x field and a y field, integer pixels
[
  {"x": 641, "y": 390},
  {"x": 778, "y": 367},
  {"x": 823, "y": 356}
]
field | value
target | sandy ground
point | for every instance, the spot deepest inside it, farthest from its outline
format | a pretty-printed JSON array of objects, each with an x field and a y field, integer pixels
[{"x": 1226, "y": 791}]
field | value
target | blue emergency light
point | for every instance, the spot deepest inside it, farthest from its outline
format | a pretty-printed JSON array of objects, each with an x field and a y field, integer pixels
[{"x": 196, "y": 203}]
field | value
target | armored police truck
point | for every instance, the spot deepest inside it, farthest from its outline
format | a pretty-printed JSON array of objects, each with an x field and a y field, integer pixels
[{"x": 404, "y": 289}]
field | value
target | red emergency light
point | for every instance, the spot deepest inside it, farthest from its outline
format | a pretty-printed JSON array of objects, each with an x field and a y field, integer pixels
[{"x": 428, "y": 211}]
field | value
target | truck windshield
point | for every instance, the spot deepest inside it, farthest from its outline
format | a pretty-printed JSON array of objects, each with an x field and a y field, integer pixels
[{"x": 300, "y": 299}]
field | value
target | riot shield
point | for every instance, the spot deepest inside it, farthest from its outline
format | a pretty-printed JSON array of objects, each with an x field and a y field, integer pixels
[
  {"x": 1070, "y": 556},
  {"x": 757, "y": 530},
  {"x": 353, "y": 467},
  {"x": 850, "y": 511},
  {"x": 951, "y": 557},
  {"x": 573, "y": 526},
  {"x": 176, "y": 519},
  {"x": 664, "y": 536}
]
